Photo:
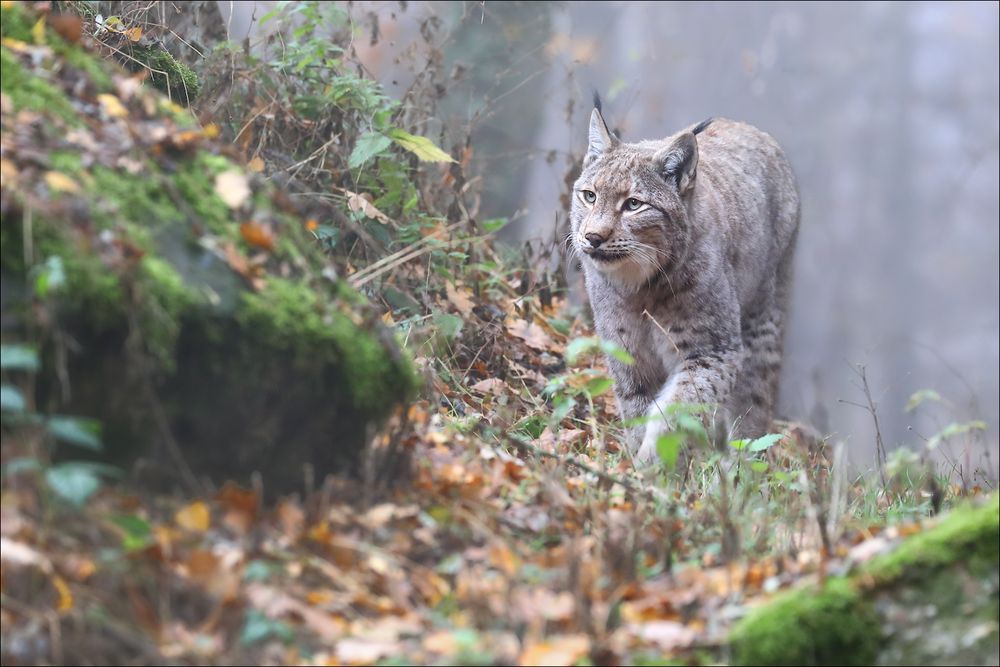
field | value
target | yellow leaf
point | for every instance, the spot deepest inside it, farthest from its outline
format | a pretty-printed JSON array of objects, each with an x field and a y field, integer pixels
[
  {"x": 112, "y": 106},
  {"x": 422, "y": 147},
  {"x": 134, "y": 34},
  {"x": 38, "y": 31},
  {"x": 194, "y": 517},
  {"x": 256, "y": 165},
  {"x": 59, "y": 182},
  {"x": 232, "y": 188},
  {"x": 65, "y": 596},
  {"x": 15, "y": 45},
  {"x": 210, "y": 131}
]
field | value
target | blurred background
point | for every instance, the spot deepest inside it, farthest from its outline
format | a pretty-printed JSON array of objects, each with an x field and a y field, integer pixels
[{"x": 887, "y": 111}]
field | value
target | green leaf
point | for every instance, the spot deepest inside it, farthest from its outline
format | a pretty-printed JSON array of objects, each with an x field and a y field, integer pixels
[
  {"x": 921, "y": 396},
  {"x": 51, "y": 277},
  {"x": 449, "y": 325},
  {"x": 259, "y": 627},
  {"x": 739, "y": 444},
  {"x": 617, "y": 351},
  {"x": 18, "y": 358},
  {"x": 73, "y": 482},
  {"x": 136, "y": 531},
  {"x": 368, "y": 146},
  {"x": 562, "y": 409},
  {"x": 21, "y": 464},
  {"x": 765, "y": 442},
  {"x": 422, "y": 147},
  {"x": 11, "y": 399},
  {"x": 668, "y": 447},
  {"x": 578, "y": 347},
  {"x": 758, "y": 466},
  {"x": 84, "y": 433},
  {"x": 954, "y": 429},
  {"x": 598, "y": 386},
  {"x": 494, "y": 224}
]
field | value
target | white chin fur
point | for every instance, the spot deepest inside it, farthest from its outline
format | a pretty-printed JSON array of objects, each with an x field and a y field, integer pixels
[{"x": 625, "y": 270}]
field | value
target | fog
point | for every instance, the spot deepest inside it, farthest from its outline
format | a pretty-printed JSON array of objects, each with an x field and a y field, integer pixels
[{"x": 888, "y": 113}]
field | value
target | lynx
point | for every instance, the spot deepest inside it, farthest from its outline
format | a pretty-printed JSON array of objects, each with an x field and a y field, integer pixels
[{"x": 686, "y": 245}]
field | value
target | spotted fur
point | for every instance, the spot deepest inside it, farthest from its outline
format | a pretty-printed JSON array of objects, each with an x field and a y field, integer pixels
[{"x": 695, "y": 282}]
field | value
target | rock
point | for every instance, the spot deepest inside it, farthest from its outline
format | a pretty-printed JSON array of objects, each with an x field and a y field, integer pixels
[
  {"x": 187, "y": 314},
  {"x": 934, "y": 599}
]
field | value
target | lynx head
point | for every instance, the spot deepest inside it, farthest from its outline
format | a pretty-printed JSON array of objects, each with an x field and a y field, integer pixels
[{"x": 629, "y": 215}]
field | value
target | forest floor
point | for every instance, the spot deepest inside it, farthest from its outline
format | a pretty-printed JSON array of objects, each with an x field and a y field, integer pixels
[{"x": 495, "y": 520}]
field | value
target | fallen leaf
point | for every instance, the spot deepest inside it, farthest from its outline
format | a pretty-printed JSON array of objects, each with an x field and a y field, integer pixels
[
  {"x": 668, "y": 636},
  {"x": 232, "y": 188},
  {"x": 38, "y": 31},
  {"x": 363, "y": 202},
  {"x": 65, "y": 596},
  {"x": 532, "y": 334},
  {"x": 461, "y": 298},
  {"x": 493, "y": 386},
  {"x": 112, "y": 106},
  {"x": 564, "y": 650},
  {"x": 211, "y": 131},
  {"x": 67, "y": 26},
  {"x": 365, "y": 651},
  {"x": 257, "y": 234},
  {"x": 256, "y": 164},
  {"x": 194, "y": 517},
  {"x": 134, "y": 34},
  {"x": 60, "y": 182}
]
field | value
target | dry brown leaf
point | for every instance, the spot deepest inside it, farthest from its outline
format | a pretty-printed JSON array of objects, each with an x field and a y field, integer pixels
[
  {"x": 363, "y": 202},
  {"x": 256, "y": 165},
  {"x": 461, "y": 298},
  {"x": 194, "y": 517},
  {"x": 67, "y": 26},
  {"x": 232, "y": 188},
  {"x": 560, "y": 650},
  {"x": 532, "y": 334},
  {"x": 494, "y": 386},
  {"x": 134, "y": 34}
]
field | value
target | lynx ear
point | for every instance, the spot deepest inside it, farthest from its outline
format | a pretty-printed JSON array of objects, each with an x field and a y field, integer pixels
[
  {"x": 601, "y": 139},
  {"x": 678, "y": 162}
]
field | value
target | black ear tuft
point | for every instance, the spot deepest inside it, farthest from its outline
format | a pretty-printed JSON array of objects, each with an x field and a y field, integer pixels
[{"x": 597, "y": 100}]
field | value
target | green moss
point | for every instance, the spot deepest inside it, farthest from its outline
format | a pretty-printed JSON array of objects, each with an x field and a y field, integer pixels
[
  {"x": 164, "y": 299},
  {"x": 967, "y": 534},
  {"x": 15, "y": 23},
  {"x": 831, "y": 625},
  {"x": 195, "y": 181},
  {"x": 68, "y": 162},
  {"x": 30, "y": 91},
  {"x": 123, "y": 196},
  {"x": 173, "y": 78},
  {"x": 290, "y": 316}
]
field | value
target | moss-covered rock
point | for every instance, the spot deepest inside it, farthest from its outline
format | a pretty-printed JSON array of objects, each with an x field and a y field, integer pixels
[
  {"x": 186, "y": 328},
  {"x": 934, "y": 599}
]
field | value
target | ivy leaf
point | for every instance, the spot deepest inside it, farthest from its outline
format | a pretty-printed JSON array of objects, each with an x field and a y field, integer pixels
[
  {"x": 368, "y": 146},
  {"x": 18, "y": 358},
  {"x": 73, "y": 482},
  {"x": 422, "y": 147},
  {"x": 84, "y": 433},
  {"x": 11, "y": 399}
]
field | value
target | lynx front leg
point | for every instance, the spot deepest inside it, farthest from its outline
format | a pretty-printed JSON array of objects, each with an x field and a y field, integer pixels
[{"x": 703, "y": 379}]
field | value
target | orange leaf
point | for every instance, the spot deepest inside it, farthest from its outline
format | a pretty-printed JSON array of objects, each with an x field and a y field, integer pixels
[
  {"x": 564, "y": 650},
  {"x": 256, "y": 164},
  {"x": 195, "y": 517},
  {"x": 67, "y": 26},
  {"x": 257, "y": 235},
  {"x": 134, "y": 34},
  {"x": 65, "y": 596}
]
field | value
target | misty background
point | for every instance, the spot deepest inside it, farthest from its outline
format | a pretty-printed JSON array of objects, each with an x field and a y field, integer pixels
[{"x": 888, "y": 113}]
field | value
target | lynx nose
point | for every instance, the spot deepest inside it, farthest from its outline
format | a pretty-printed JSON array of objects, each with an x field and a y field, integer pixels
[{"x": 595, "y": 239}]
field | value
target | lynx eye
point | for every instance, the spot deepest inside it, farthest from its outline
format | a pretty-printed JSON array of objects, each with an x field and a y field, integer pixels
[
  {"x": 633, "y": 204},
  {"x": 589, "y": 196}
]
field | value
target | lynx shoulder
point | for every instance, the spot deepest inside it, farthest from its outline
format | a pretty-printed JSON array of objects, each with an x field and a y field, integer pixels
[{"x": 686, "y": 245}]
